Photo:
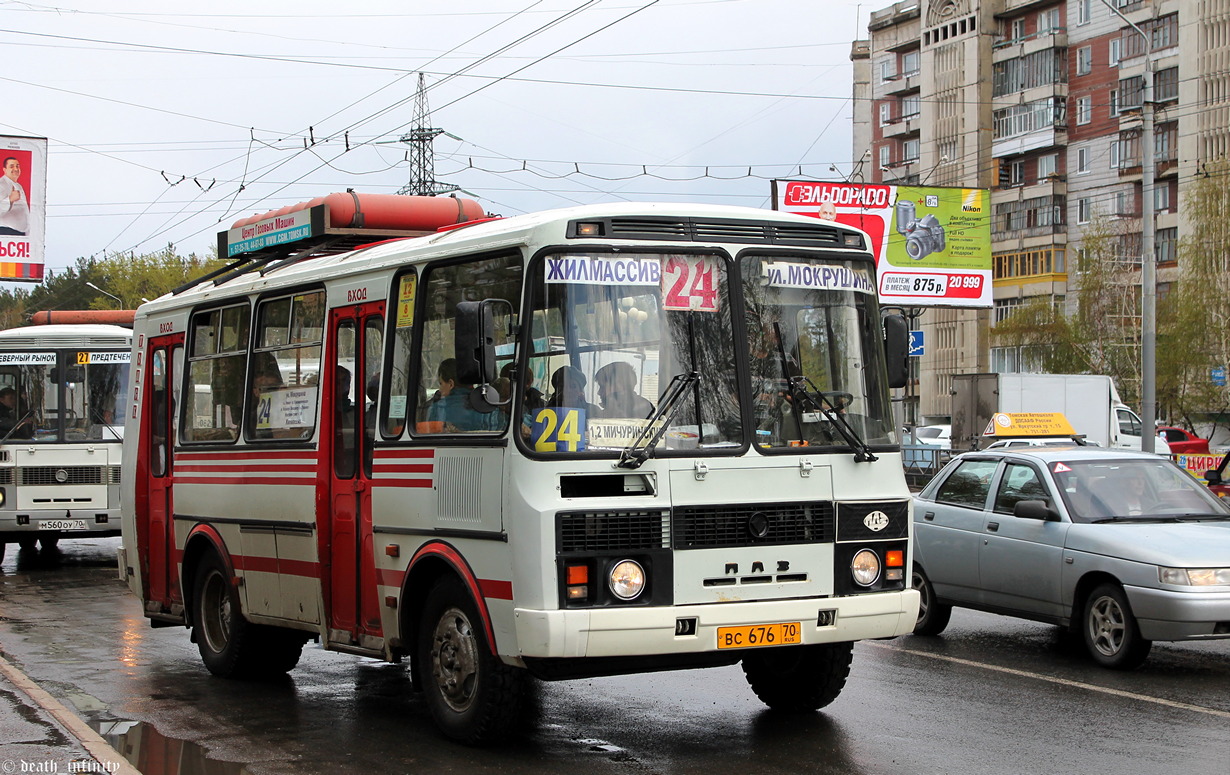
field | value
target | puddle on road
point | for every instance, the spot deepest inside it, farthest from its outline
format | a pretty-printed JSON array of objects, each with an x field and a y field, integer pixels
[{"x": 153, "y": 753}]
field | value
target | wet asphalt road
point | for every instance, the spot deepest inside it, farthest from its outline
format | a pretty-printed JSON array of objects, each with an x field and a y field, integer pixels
[{"x": 993, "y": 695}]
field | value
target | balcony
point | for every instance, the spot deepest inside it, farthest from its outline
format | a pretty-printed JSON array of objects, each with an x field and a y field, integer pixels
[
  {"x": 902, "y": 127},
  {"x": 899, "y": 84},
  {"x": 1017, "y": 47}
]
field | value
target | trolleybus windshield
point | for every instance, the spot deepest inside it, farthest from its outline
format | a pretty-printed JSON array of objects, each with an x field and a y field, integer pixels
[
  {"x": 814, "y": 321},
  {"x": 62, "y": 395},
  {"x": 609, "y": 334}
]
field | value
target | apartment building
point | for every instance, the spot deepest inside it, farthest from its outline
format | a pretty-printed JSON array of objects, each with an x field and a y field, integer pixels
[{"x": 1040, "y": 100}]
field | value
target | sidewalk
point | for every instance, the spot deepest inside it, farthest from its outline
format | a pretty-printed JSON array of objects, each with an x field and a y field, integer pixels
[{"x": 38, "y": 734}]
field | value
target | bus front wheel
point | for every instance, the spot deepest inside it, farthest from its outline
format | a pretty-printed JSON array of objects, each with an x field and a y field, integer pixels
[
  {"x": 798, "y": 679},
  {"x": 473, "y": 697}
]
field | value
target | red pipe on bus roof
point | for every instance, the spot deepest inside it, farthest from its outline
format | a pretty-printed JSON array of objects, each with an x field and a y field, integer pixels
[
  {"x": 106, "y": 317},
  {"x": 384, "y": 211}
]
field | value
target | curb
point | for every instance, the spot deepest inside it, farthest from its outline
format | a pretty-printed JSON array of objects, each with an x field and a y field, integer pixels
[{"x": 108, "y": 759}]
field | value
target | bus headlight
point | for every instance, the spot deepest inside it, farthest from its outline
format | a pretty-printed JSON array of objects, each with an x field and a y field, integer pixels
[
  {"x": 626, "y": 579},
  {"x": 865, "y": 567}
]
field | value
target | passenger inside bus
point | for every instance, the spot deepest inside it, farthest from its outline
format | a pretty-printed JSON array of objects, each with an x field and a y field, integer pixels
[
  {"x": 617, "y": 392},
  {"x": 16, "y": 422},
  {"x": 450, "y": 405},
  {"x": 262, "y": 384},
  {"x": 568, "y": 390}
]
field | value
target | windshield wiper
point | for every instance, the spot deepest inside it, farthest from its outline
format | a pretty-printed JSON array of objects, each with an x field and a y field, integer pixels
[
  {"x": 638, "y": 451},
  {"x": 862, "y": 453}
]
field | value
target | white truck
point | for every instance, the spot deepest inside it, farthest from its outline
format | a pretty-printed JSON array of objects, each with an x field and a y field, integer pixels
[{"x": 1089, "y": 401}]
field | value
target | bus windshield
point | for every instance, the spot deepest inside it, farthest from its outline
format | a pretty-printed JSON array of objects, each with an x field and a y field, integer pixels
[
  {"x": 814, "y": 323},
  {"x": 610, "y": 332},
  {"x": 62, "y": 396}
]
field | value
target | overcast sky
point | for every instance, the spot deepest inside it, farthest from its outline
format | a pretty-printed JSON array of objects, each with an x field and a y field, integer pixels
[{"x": 167, "y": 121}]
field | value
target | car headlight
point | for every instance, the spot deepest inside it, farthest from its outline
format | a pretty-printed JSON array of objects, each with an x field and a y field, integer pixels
[
  {"x": 865, "y": 567},
  {"x": 626, "y": 579},
  {"x": 1195, "y": 577}
]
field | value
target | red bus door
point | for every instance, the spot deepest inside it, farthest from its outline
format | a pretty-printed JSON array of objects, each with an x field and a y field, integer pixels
[
  {"x": 155, "y": 474},
  {"x": 348, "y": 423}
]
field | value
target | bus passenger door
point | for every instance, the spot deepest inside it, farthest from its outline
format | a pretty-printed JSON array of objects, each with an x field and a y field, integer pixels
[
  {"x": 348, "y": 424},
  {"x": 156, "y": 540}
]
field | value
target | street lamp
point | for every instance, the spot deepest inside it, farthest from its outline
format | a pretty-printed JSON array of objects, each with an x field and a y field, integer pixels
[
  {"x": 105, "y": 293},
  {"x": 1148, "y": 263}
]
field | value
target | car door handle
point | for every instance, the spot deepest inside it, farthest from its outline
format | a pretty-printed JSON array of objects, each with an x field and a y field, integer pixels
[
  {"x": 929, "y": 516},
  {"x": 993, "y": 527}
]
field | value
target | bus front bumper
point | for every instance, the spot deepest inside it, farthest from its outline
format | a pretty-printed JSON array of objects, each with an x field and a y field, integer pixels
[{"x": 629, "y": 631}]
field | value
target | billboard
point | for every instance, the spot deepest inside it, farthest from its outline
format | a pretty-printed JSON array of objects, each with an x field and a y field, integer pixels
[
  {"x": 932, "y": 245},
  {"x": 23, "y": 207}
]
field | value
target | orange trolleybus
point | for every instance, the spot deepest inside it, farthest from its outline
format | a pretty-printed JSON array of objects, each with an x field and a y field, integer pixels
[{"x": 603, "y": 440}]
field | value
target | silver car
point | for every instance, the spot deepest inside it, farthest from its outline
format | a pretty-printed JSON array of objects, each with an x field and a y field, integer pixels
[{"x": 1123, "y": 547}]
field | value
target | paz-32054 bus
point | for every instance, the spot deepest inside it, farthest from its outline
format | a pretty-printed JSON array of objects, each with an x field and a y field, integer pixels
[
  {"x": 603, "y": 440},
  {"x": 62, "y": 404}
]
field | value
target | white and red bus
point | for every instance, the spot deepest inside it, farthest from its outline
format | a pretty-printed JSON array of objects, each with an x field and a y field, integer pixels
[
  {"x": 604, "y": 440},
  {"x": 62, "y": 406}
]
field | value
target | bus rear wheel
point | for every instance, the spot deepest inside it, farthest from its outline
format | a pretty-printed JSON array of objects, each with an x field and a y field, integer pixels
[
  {"x": 798, "y": 679},
  {"x": 473, "y": 697}
]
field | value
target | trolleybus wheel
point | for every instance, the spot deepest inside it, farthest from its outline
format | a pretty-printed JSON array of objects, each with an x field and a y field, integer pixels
[
  {"x": 27, "y": 544},
  {"x": 225, "y": 639},
  {"x": 798, "y": 679},
  {"x": 49, "y": 543},
  {"x": 473, "y": 697}
]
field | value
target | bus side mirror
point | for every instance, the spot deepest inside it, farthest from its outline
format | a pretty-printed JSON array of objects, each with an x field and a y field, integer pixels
[
  {"x": 474, "y": 342},
  {"x": 897, "y": 350}
]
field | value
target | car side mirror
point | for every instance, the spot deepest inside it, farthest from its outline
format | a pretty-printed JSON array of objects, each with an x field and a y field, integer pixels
[
  {"x": 1212, "y": 477},
  {"x": 1035, "y": 509}
]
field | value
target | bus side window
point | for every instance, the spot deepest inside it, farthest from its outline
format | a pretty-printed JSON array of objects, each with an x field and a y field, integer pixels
[
  {"x": 444, "y": 402},
  {"x": 217, "y": 361}
]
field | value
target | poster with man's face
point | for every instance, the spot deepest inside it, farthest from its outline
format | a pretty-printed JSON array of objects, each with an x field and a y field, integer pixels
[{"x": 23, "y": 207}]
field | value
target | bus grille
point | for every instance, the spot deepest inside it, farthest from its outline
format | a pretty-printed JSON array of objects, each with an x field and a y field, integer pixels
[
  {"x": 72, "y": 474},
  {"x": 114, "y": 471},
  {"x": 754, "y": 524},
  {"x": 6, "y": 476},
  {"x": 597, "y": 531}
]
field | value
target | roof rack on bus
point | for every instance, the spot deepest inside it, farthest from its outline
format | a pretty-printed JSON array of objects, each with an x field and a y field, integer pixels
[{"x": 328, "y": 225}]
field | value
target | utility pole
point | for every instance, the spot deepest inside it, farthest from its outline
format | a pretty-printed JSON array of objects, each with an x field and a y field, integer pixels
[
  {"x": 1148, "y": 264},
  {"x": 422, "y": 157}
]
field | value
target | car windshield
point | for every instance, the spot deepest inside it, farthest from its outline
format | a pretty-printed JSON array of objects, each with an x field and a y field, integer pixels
[
  {"x": 1132, "y": 489},
  {"x": 814, "y": 321},
  {"x": 54, "y": 396},
  {"x": 611, "y": 334}
]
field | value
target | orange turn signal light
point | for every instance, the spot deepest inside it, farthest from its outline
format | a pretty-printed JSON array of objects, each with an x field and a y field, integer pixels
[
  {"x": 894, "y": 558},
  {"x": 577, "y": 574}
]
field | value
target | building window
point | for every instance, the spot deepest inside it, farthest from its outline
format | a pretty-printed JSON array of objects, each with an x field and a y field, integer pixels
[
  {"x": 1114, "y": 102},
  {"x": 1084, "y": 60},
  {"x": 1047, "y": 165},
  {"x": 1016, "y": 172},
  {"x": 1121, "y": 204},
  {"x": 1166, "y": 84},
  {"x": 1132, "y": 92},
  {"x": 1048, "y": 21},
  {"x": 1084, "y": 110},
  {"x": 1082, "y": 160},
  {"x": 888, "y": 70},
  {"x": 886, "y": 114},
  {"x": 909, "y": 150},
  {"x": 1165, "y": 140},
  {"x": 909, "y": 106},
  {"x": 909, "y": 63},
  {"x": 1165, "y": 32},
  {"x": 1116, "y": 46},
  {"x": 1040, "y": 68},
  {"x": 1084, "y": 10},
  {"x": 1161, "y": 198},
  {"x": 1166, "y": 246},
  {"x": 886, "y": 157},
  {"x": 1082, "y": 210}
]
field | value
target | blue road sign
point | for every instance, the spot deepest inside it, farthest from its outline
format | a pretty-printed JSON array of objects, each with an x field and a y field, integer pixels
[
  {"x": 917, "y": 347},
  {"x": 1217, "y": 374}
]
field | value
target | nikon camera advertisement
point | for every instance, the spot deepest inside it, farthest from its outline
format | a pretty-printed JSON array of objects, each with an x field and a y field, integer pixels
[{"x": 932, "y": 245}]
